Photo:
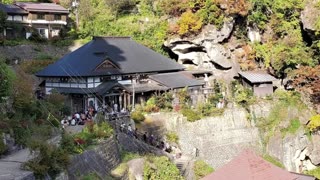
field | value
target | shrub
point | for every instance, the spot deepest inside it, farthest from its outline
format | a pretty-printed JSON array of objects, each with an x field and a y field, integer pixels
[
  {"x": 172, "y": 137},
  {"x": 209, "y": 109},
  {"x": 314, "y": 123},
  {"x": 160, "y": 168},
  {"x": 137, "y": 116},
  {"x": 50, "y": 160},
  {"x": 67, "y": 143},
  {"x": 189, "y": 23},
  {"x": 190, "y": 114},
  {"x": 120, "y": 170},
  {"x": 201, "y": 169},
  {"x": 102, "y": 130},
  {"x": 164, "y": 101}
]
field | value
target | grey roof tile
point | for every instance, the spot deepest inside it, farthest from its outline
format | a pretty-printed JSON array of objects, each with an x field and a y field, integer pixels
[
  {"x": 257, "y": 76},
  {"x": 176, "y": 80},
  {"x": 42, "y": 7}
]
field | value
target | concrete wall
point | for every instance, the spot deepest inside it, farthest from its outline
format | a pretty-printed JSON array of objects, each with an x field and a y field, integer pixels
[{"x": 100, "y": 160}]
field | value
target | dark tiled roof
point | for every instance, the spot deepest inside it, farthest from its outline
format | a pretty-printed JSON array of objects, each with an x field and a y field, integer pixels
[
  {"x": 257, "y": 76},
  {"x": 176, "y": 80},
  {"x": 42, "y": 7},
  {"x": 101, "y": 89},
  {"x": 250, "y": 166},
  {"x": 125, "y": 53},
  {"x": 12, "y": 9},
  {"x": 144, "y": 88}
]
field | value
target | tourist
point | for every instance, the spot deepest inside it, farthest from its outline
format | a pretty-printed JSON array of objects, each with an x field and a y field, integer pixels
[
  {"x": 62, "y": 123},
  {"x": 122, "y": 126},
  {"x": 130, "y": 130},
  {"x": 136, "y": 133},
  {"x": 151, "y": 139},
  {"x": 144, "y": 137},
  {"x": 77, "y": 117},
  {"x": 73, "y": 122}
]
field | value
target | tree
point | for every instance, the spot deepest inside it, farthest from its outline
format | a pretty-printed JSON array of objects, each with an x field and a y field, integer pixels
[
  {"x": 3, "y": 19},
  {"x": 6, "y": 80},
  {"x": 189, "y": 23}
]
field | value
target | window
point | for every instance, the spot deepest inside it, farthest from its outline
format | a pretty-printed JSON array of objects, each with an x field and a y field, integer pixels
[
  {"x": 57, "y": 17},
  {"x": 42, "y": 32},
  {"x": 40, "y": 16}
]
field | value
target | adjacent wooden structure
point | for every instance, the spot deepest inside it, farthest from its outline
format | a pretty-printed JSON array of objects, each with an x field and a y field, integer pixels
[
  {"x": 260, "y": 82},
  {"x": 47, "y": 19}
]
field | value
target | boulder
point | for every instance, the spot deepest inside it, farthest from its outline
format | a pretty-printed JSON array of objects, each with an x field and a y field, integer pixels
[
  {"x": 309, "y": 16},
  {"x": 218, "y": 54},
  {"x": 254, "y": 34},
  {"x": 315, "y": 151}
]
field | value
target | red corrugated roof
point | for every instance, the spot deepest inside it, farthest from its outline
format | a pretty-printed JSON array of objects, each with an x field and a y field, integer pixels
[{"x": 249, "y": 166}]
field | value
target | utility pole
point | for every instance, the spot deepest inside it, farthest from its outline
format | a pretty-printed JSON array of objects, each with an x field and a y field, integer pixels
[
  {"x": 75, "y": 5},
  {"x": 133, "y": 93}
]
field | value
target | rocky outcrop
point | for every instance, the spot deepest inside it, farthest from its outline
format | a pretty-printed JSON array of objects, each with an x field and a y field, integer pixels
[
  {"x": 209, "y": 50},
  {"x": 101, "y": 160},
  {"x": 309, "y": 16},
  {"x": 315, "y": 150},
  {"x": 291, "y": 150}
]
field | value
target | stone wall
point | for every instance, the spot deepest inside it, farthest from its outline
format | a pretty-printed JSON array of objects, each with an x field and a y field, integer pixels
[
  {"x": 101, "y": 160},
  {"x": 218, "y": 139}
]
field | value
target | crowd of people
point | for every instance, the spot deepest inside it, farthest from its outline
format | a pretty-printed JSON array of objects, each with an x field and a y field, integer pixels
[{"x": 79, "y": 118}]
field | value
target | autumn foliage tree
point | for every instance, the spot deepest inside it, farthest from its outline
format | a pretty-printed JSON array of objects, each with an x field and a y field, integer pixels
[
  {"x": 307, "y": 79},
  {"x": 189, "y": 23}
]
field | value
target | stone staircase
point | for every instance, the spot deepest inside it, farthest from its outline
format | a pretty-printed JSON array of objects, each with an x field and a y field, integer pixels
[{"x": 185, "y": 166}]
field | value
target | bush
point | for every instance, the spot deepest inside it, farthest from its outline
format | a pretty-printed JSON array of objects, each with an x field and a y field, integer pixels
[
  {"x": 160, "y": 168},
  {"x": 172, "y": 137},
  {"x": 201, "y": 169},
  {"x": 190, "y": 114},
  {"x": 209, "y": 109},
  {"x": 137, "y": 116},
  {"x": 120, "y": 170},
  {"x": 314, "y": 123}
]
